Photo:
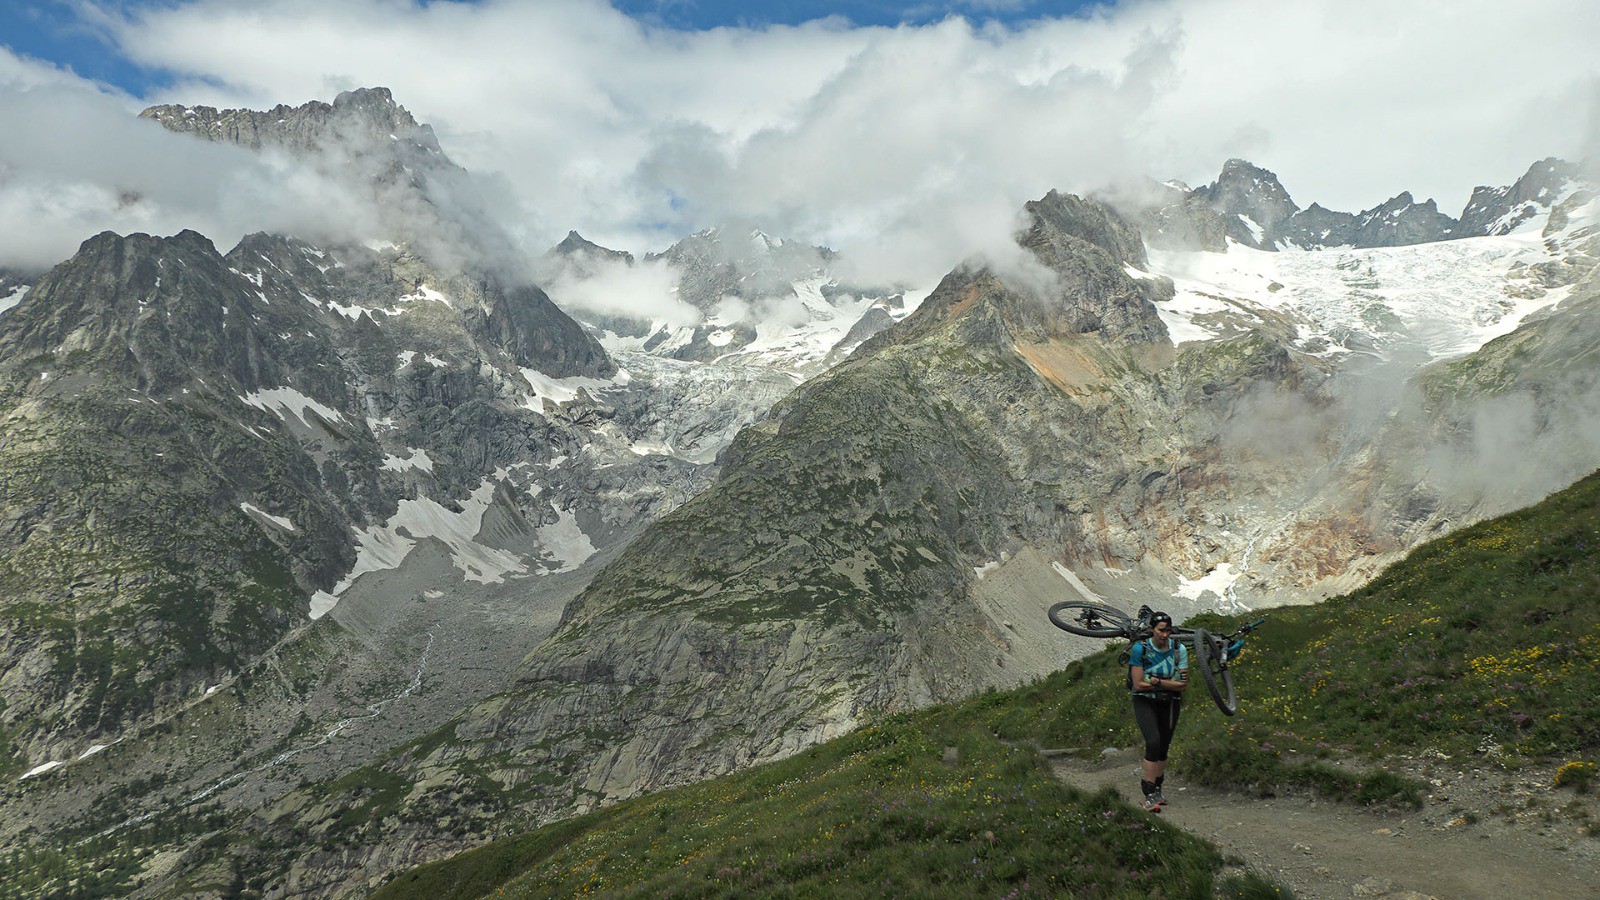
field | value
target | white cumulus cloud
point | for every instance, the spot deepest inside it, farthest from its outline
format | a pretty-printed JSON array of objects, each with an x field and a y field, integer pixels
[
  {"x": 75, "y": 161},
  {"x": 905, "y": 148}
]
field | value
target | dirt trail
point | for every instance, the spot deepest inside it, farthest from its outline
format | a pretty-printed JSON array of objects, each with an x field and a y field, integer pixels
[{"x": 1332, "y": 850}]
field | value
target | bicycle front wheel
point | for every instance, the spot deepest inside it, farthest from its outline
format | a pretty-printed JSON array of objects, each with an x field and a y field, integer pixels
[
  {"x": 1094, "y": 620},
  {"x": 1219, "y": 681}
]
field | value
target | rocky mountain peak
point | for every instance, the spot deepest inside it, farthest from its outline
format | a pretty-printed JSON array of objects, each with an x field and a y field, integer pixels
[
  {"x": 1087, "y": 247},
  {"x": 145, "y": 309},
  {"x": 1400, "y": 201},
  {"x": 576, "y": 245},
  {"x": 361, "y": 120},
  {"x": 419, "y": 198},
  {"x": 1245, "y": 176},
  {"x": 1399, "y": 221},
  {"x": 1057, "y": 219},
  {"x": 1248, "y": 205},
  {"x": 1500, "y": 210},
  {"x": 731, "y": 261},
  {"x": 748, "y": 249},
  {"x": 1251, "y": 198},
  {"x": 374, "y": 102},
  {"x": 763, "y": 242},
  {"x": 1401, "y": 204}
]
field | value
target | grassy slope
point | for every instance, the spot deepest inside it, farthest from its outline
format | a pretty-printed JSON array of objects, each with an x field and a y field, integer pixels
[
  {"x": 878, "y": 812},
  {"x": 1482, "y": 637}
]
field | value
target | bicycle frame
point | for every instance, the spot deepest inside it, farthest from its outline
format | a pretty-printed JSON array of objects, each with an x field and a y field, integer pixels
[{"x": 1210, "y": 653}]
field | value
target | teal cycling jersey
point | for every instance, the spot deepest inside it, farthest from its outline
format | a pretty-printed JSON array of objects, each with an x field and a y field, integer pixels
[{"x": 1158, "y": 663}]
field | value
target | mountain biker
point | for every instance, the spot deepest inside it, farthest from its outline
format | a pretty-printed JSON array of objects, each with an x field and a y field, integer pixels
[{"x": 1158, "y": 670}]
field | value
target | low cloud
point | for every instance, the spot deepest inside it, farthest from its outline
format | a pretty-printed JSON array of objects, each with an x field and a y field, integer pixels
[
  {"x": 1284, "y": 427},
  {"x": 1473, "y": 456},
  {"x": 906, "y": 179},
  {"x": 613, "y": 287},
  {"x": 83, "y": 163},
  {"x": 1516, "y": 448}
]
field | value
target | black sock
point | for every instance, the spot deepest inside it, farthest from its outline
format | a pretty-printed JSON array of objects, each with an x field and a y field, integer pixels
[
  {"x": 1160, "y": 778},
  {"x": 1147, "y": 787}
]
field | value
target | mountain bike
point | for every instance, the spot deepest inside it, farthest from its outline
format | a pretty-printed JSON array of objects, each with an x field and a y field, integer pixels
[{"x": 1213, "y": 653}]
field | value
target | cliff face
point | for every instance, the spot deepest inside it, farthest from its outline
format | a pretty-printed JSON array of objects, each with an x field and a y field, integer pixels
[
  {"x": 1500, "y": 210},
  {"x": 193, "y": 444},
  {"x": 132, "y": 577}
]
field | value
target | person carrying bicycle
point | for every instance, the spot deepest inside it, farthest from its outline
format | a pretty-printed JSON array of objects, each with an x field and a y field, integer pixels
[{"x": 1158, "y": 673}]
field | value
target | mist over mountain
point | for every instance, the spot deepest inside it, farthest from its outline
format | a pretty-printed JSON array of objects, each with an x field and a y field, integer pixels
[
  {"x": 74, "y": 186},
  {"x": 426, "y": 536},
  {"x": 732, "y": 295},
  {"x": 415, "y": 193}
]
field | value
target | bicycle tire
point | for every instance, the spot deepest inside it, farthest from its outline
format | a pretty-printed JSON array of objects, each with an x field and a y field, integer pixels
[
  {"x": 1117, "y": 623},
  {"x": 1219, "y": 681}
]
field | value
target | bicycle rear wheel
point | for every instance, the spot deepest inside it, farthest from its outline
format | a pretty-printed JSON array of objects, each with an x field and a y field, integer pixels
[
  {"x": 1208, "y": 652},
  {"x": 1094, "y": 620}
]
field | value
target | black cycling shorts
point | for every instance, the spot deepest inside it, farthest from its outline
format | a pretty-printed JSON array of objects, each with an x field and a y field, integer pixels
[{"x": 1157, "y": 720}]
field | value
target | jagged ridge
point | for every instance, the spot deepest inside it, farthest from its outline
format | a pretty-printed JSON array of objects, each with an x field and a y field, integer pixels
[{"x": 1247, "y": 204}]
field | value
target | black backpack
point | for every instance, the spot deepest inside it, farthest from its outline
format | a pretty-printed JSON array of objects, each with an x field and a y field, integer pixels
[{"x": 1127, "y": 652}]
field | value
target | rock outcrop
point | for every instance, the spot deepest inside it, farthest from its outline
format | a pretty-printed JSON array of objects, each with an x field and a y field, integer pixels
[{"x": 1252, "y": 203}]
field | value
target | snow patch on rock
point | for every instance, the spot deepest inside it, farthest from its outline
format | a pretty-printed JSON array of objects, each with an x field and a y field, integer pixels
[
  {"x": 1076, "y": 582},
  {"x": 386, "y": 546},
  {"x": 41, "y": 769},
  {"x": 1217, "y": 581},
  {"x": 565, "y": 542},
  {"x": 288, "y": 402},
  {"x": 13, "y": 298},
  {"x": 414, "y": 459},
  {"x": 265, "y": 517},
  {"x": 565, "y": 390}
]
